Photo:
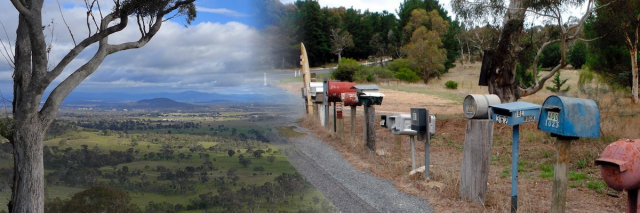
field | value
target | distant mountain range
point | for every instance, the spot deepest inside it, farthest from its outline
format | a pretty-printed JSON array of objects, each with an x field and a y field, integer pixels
[
  {"x": 160, "y": 103},
  {"x": 187, "y": 97}
]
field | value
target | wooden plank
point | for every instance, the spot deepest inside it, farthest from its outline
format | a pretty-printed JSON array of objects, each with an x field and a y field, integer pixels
[
  {"x": 476, "y": 159},
  {"x": 559, "y": 194},
  {"x": 369, "y": 127}
]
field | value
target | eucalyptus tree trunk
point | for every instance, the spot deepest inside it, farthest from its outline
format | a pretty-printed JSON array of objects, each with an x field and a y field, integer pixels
[
  {"x": 634, "y": 73},
  {"x": 31, "y": 77},
  {"x": 503, "y": 61}
]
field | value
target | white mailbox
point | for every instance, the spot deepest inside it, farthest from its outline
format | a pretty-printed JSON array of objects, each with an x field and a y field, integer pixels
[
  {"x": 315, "y": 88},
  {"x": 402, "y": 125}
]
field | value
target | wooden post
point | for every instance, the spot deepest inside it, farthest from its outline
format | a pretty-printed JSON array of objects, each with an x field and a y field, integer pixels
[
  {"x": 398, "y": 146},
  {"x": 559, "y": 195},
  {"x": 353, "y": 122},
  {"x": 326, "y": 103},
  {"x": 370, "y": 127},
  {"x": 340, "y": 120},
  {"x": 475, "y": 160}
]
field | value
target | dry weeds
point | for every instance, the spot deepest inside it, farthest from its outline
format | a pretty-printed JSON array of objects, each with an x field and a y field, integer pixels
[{"x": 537, "y": 151}]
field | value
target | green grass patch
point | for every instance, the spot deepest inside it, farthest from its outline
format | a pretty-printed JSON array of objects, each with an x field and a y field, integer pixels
[
  {"x": 578, "y": 176},
  {"x": 288, "y": 131},
  {"x": 547, "y": 171},
  {"x": 598, "y": 185}
]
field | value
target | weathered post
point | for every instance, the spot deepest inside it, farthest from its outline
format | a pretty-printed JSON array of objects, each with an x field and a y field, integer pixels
[
  {"x": 369, "y": 95},
  {"x": 514, "y": 114},
  {"x": 477, "y": 147},
  {"x": 340, "y": 120},
  {"x": 353, "y": 122},
  {"x": 351, "y": 99},
  {"x": 326, "y": 102},
  {"x": 370, "y": 127},
  {"x": 567, "y": 119}
]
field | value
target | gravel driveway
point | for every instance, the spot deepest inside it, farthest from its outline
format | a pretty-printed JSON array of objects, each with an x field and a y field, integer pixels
[{"x": 349, "y": 189}]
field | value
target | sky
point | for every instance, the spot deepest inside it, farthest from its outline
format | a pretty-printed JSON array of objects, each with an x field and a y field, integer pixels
[{"x": 213, "y": 54}]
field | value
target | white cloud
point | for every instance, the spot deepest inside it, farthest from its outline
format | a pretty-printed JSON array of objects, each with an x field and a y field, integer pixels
[
  {"x": 222, "y": 11},
  {"x": 185, "y": 57}
]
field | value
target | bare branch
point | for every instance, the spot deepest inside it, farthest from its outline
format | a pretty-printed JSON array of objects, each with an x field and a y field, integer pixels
[
  {"x": 8, "y": 40},
  {"x": 65, "y": 24},
  {"x": 21, "y": 8},
  {"x": 85, "y": 43}
]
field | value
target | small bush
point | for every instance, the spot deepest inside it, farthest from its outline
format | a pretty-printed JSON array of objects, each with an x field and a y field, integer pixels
[
  {"x": 451, "y": 85},
  {"x": 346, "y": 70},
  {"x": 397, "y": 64},
  {"x": 372, "y": 74},
  {"x": 405, "y": 74}
]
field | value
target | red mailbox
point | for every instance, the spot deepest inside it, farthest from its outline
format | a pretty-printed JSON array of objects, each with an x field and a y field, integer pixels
[
  {"x": 620, "y": 168},
  {"x": 350, "y": 99},
  {"x": 337, "y": 88}
]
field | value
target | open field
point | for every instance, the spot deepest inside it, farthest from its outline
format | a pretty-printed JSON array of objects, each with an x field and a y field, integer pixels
[
  {"x": 185, "y": 154},
  {"x": 537, "y": 149}
]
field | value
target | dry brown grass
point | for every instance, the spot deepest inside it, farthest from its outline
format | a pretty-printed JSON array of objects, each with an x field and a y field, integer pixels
[{"x": 619, "y": 119}]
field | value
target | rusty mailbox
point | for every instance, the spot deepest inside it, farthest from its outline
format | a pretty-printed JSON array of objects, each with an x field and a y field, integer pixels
[
  {"x": 620, "y": 169},
  {"x": 334, "y": 94},
  {"x": 570, "y": 117},
  {"x": 350, "y": 99}
]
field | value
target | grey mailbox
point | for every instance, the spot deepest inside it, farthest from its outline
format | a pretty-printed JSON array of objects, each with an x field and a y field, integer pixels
[
  {"x": 420, "y": 122},
  {"x": 383, "y": 120},
  {"x": 369, "y": 94},
  {"x": 402, "y": 125},
  {"x": 391, "y": 120},
  {"x": 304, "y": 92},
  {"x": 477, "y": 106}
]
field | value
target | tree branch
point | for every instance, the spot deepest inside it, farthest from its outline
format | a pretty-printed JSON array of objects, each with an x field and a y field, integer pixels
[
  {"x": 65, "y": 24},
  {"x": 22, "y": 9},
  {"x": 85, "y": 43}
]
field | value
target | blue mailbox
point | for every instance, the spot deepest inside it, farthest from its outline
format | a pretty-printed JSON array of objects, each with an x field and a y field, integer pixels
[
  {"x": 515, "y": 113},
  {"x": 570, "y": 117}
]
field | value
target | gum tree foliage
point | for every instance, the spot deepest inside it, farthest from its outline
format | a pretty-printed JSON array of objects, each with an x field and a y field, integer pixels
[
  {"x": 425, "y": 49},
  {"x": 32, "y": 75},
  {"x": 500, "y": 62},
  {"x": 448, "y": 37},
  {"x": 619, "y": 23},
  {"x": 340, "y": 40}
]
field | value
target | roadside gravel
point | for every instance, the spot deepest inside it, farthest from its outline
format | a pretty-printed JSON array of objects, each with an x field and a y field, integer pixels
[{"x": 348, "y": 188}]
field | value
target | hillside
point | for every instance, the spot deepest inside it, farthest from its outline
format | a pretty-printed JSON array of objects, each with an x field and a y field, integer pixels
[{"x": 160, "y": 103}]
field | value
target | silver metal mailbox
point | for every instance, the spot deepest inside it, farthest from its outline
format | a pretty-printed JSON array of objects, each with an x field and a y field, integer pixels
[
  {"x": 476, "y": 106},
  {"x": 402, "y": 125}
]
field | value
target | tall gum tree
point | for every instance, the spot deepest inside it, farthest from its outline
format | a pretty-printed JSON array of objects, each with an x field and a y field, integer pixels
[
  {"x": 622, "y": 20},
  {"x": 500, "y": 62},
  {"x": 31, "y": 77}
]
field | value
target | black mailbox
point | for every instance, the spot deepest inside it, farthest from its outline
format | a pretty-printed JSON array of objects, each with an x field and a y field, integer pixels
[
  {"x": 419, "y": 122},
  {"x": 383, "y": 120}
]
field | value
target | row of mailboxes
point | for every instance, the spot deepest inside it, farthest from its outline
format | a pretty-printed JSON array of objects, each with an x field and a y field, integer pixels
[
  {"x": 560, "y": 116},
  {"x": 335, "y": 90}
]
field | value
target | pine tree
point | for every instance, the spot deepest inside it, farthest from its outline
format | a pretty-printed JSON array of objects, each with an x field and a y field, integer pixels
[{"x": 557, "y": 84}]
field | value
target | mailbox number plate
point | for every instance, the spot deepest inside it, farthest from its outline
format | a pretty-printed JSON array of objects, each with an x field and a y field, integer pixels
[
  {"x": 501, "y": 119},
  {"x": 552, "y": 119},
  {"x": 529, "y": 118}
]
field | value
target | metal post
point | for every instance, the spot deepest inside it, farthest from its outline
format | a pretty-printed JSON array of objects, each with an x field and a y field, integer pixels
[
  {"x": 632, "y": 201},
  {"x": 514, "y": 168},
  {"x": 427, "y": 146},
  {"x": 413, "y": 152}
]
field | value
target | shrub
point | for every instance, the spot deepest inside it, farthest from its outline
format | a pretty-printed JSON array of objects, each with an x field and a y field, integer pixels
[
  {"x": 405, "y": 74},
  {"x": 372, "y": 74},
  {"x": 550, "y": 56},
  {"x": 397, "y": 64},
  {"x": 346, "y": 69},
  {"x": 451, "y": 85},
  {"x": 578, "y": 54}
]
